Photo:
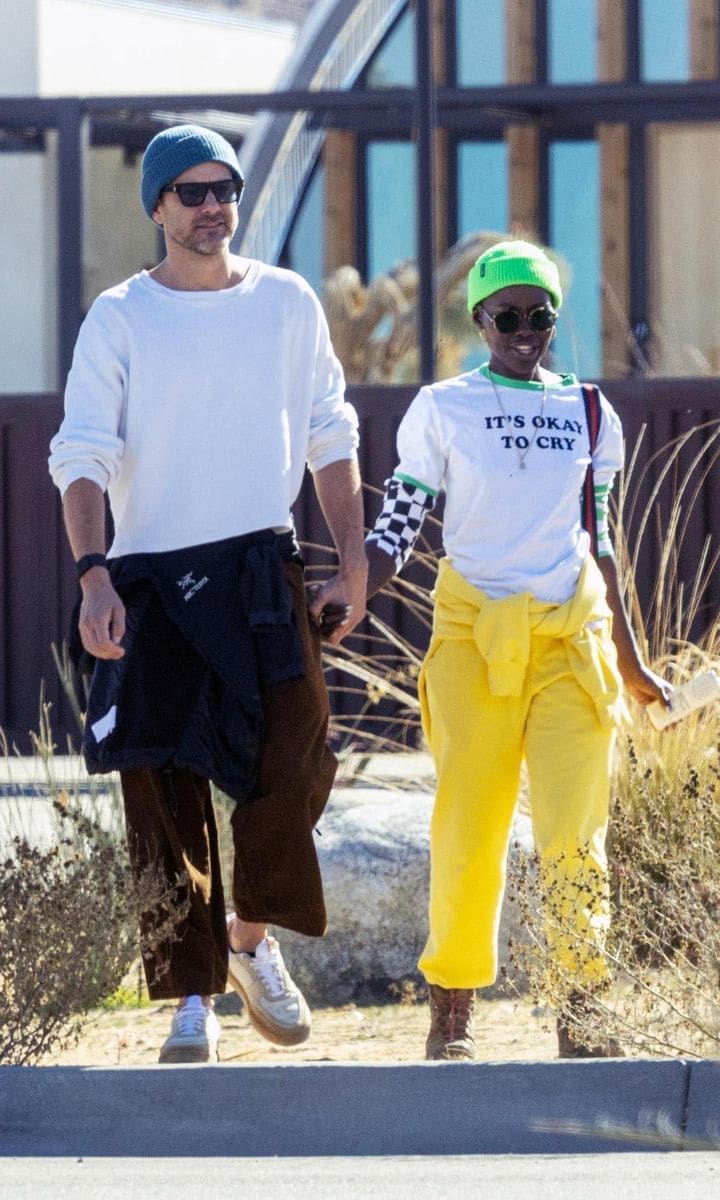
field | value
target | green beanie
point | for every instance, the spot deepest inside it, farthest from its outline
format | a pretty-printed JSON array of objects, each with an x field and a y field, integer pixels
[{"x": 509, "y": 263}]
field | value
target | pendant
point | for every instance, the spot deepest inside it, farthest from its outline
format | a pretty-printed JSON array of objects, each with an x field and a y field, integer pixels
[{"x": 522, "y": 464}]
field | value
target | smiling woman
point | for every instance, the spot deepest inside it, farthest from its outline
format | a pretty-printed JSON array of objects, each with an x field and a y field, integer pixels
[
  {"x": 531, "y": 642},
  {"x": 518, "y": 325}
]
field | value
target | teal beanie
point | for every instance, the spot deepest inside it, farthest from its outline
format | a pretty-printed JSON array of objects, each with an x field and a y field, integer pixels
[
  {"x": 173, "y": 150},
  {"x": 509, "y": 263}
]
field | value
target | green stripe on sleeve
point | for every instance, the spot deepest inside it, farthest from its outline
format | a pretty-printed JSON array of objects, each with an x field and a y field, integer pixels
[{"x": 415, "y": 483}]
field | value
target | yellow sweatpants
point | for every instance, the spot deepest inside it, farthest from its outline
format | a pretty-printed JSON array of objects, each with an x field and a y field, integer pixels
[{"x": 478, "y": 740}]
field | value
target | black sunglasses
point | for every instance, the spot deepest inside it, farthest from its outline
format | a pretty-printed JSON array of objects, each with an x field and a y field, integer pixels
[
  {"x": 192, "y": 195},
  {"x": 508, "y": 320}
]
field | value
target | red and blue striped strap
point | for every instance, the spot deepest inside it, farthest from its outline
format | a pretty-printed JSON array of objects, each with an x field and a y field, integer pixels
[{"x": 591, "y": 396}]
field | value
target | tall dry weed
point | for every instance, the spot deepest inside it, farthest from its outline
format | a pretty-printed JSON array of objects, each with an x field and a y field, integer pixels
[
  {"x": 70, "y": 910},
  {"x": 664, "y": 834}
]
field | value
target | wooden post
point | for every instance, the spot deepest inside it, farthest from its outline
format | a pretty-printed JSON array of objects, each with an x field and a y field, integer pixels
[
  {"x": 522, "y": 140},
  {"x": 704, "y": 39},
  {"x": 614, "y": 143},
  {"x": 611, "y": 41},
  {"x": 440, "y": 75},
  {"x": 339, "y": 157}
]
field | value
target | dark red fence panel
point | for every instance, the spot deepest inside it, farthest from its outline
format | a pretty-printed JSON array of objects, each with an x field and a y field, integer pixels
[
  {"x": 37, "y": 586},
  {"x": 36, "y": 579},
  {"x": 655, "y": 414}
]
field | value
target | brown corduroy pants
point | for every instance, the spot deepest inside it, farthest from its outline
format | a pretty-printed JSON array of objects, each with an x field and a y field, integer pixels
[{"x": 276, "y": 875}]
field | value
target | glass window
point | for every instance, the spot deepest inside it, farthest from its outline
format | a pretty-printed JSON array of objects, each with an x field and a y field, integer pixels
[
  {"x": 480, "y": 46},
  {"x": 28, "y": 300},
  {"x": 304, "y": 250},
  {"x": 390, "y": 205},
  {"x": 574, "y": 204},
  {"x": 394, "y": 62},
  {"x": 684, "y": 287},
  {"x": 482, "y": 187},
  {"x": 665, "y": 39},
  {"x": 571, "y": 41},
  {"x": 482, "y": 193}
]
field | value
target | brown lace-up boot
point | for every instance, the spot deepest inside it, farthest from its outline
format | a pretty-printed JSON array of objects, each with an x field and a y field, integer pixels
[
  {"x": 575, "y": 1035},
  {"x": 452, "y": 1016}
]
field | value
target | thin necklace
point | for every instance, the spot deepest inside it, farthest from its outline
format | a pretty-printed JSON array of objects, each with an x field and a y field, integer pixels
[{"x": 521, "y": 454}]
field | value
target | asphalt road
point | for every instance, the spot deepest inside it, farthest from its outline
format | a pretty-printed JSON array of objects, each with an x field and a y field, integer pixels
[{"x": 678, "y": 1176}]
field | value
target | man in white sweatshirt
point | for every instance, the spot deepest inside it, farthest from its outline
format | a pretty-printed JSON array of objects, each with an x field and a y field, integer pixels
[{"x": 199, "y": 391}]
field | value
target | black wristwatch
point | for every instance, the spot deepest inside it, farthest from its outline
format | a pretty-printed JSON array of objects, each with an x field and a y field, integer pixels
[{"x": 87, "y": 561}]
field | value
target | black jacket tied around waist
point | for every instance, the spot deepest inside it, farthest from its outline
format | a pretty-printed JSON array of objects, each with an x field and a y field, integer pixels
[{"x": 208, "y": 629}]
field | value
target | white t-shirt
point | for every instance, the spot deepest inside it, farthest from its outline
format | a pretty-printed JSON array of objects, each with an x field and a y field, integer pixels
[
  {"x": 507, "y": 529},
  {"x": 198, "y": 411}
]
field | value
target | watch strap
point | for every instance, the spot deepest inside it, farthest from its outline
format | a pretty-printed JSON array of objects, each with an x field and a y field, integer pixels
[{"x": 87, "y": 561}]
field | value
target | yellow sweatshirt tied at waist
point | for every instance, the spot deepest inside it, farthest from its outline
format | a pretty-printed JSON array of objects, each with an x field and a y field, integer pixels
[{"x": 502, "y": 630}]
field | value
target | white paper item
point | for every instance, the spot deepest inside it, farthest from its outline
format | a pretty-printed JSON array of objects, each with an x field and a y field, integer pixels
[{"x": 694, "y": 694}]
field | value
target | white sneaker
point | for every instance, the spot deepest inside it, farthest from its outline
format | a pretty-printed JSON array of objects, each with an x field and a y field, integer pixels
[
  {"x": 275, "y": 1005},
  {"x": 194, "y": 1034}
]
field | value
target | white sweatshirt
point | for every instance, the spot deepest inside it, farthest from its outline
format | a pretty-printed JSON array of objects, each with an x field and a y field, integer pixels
[{"x": 198, "y": 411}]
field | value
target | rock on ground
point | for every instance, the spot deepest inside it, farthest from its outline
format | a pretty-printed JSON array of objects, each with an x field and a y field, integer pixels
[{"x": 373, "y": 845}]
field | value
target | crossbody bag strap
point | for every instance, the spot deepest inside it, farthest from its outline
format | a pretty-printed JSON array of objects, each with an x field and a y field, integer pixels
[{"x": 591, "y": 396}]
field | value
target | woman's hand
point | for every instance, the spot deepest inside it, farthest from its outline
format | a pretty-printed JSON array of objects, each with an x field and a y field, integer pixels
[{"x": 644, "y": 685}]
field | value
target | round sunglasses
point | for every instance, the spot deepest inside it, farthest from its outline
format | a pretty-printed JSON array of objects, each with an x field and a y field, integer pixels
[
  {"x": 508, "y": 320},
  {"x": 192, "y": 195}
]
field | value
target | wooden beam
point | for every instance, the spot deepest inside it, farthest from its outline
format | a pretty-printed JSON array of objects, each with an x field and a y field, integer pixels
[
  {"x": 704, "y": 39},
  {"x": 520, "y": 55},
  {"x": 523, "y": 161},
  {"x": 340, "y": 161},
  {"x": 611, "y": 41},
  {"x": 614, "y": 141},
  {"x": 522, "y": 140},
  {"x": 440, "y": 75}
]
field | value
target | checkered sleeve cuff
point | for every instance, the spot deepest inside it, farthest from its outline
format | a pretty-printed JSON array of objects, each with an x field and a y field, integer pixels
[{"x": 400, "y": 521}]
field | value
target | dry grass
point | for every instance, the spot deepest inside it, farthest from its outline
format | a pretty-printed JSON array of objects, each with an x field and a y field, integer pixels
[
  {"x": 69, "y": 914},
  {"x": 664, "y": 836},
  {"x": 69, "y": 902}
]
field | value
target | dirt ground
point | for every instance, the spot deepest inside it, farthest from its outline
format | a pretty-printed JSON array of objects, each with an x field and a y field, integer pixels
[{"x": 506, "y": 1030}]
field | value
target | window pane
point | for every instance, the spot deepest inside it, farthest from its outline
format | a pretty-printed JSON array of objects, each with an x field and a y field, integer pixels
[
  {"x": 574, "y": 197},
  {"x": 28, "y": 300},
  {"x": 684, "y": 283},
  {"x": 482, "y": 187},
  {"x": 394, "y": 63},
  {"x": 665, "y": 39},
  {"x": 304, "y": 249},
  {"x": 390, "y": 205},
  {"x": 480, "y": 45},
  {"x": 571, "y": 41},
  {"x": 482, "y": 207}
]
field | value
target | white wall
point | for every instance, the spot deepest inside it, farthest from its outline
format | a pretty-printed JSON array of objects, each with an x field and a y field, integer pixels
[
  {"x": 684, "y": 198},
  {"x": 28, "y": 243},
  {"x": 19, "y": 41},
  {"x": 100, "y": 47},
  {"x": 111, "y": 47},
  {"x": 119, "y": 238}
]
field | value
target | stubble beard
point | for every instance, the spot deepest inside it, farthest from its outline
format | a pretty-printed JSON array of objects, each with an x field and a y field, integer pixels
[{"x": 205, "y": 242}]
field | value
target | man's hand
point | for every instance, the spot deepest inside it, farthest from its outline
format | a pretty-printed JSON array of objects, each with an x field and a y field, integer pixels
[
  {"x": 102, "y": 615},
  {"x": 342, "y": 598},
  {"x": 338, "y": 605}
]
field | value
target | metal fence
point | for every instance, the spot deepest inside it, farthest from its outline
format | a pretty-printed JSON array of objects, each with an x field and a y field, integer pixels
[{"x": 37, "y": 584}]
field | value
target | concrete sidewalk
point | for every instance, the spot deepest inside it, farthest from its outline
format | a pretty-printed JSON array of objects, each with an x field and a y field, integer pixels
[{"x": 579, "y": 1107}]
